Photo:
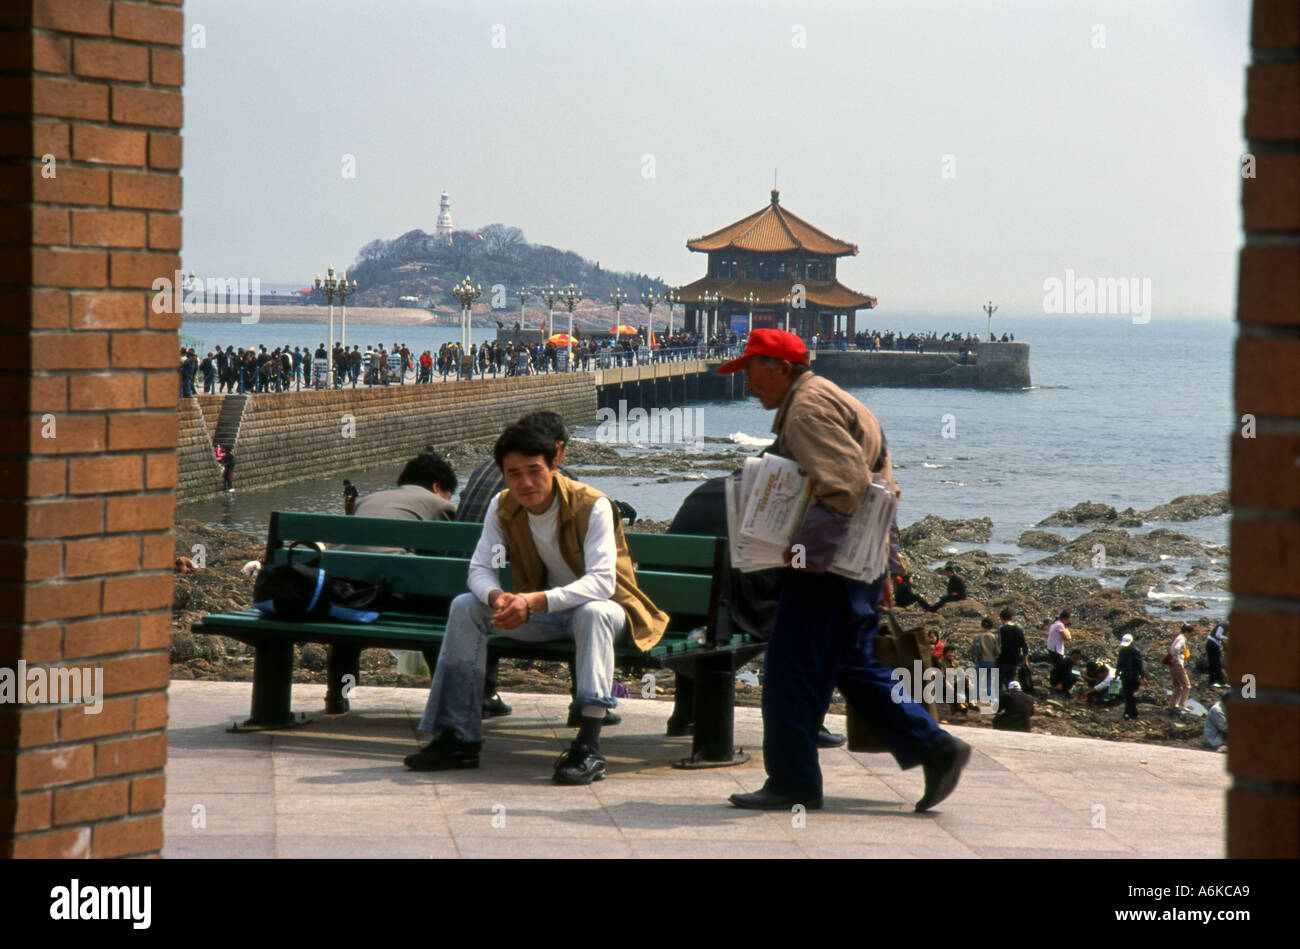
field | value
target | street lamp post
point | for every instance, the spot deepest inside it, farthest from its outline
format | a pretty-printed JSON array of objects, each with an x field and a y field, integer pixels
[
  {"x": 648, "y": 299},
  {"x": 569, "y": 298},
  {"x": 523, "y": 294},
  {"x": 549, "y": 296},
  {"x": 672, "y": 299},
  {"x": 466, "y": 294},
  {"x": 990, "y": 309},
  {"x": 750, "y": 299},
  {"x": 333, "y": 287}
]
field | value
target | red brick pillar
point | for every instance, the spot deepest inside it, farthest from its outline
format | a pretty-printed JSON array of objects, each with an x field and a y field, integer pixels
[
  {"x": 90, "y": 177},
  {"x": 1264, "y": 643}
]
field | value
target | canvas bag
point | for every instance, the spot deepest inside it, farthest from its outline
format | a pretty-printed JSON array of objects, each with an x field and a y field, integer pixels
[
  {"x": 895, "y": 647},
  {"x": 296, "y": 591}
]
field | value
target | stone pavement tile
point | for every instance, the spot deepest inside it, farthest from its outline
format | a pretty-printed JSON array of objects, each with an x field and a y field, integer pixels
[
  {"x": 543, "y": 812},
  {"x": 715, "y": 849},
  {"x": 364, "y": 848},
  {"x": 478, "y": 847},
  {"x": 224, "y": 814},
  {"x": 218, "y": 846},
  {"x": 1040, "y": 853},
  {"x": 982, "y": 837},
  {"x": 422, "y": 821},
  {"x": 954, "y": 813},
  {"x": 235, "y": 777},
  {"x": 693, "y": 821},
  {"x": 332, "y": 806},
  {"x": 882, "y": 847}
]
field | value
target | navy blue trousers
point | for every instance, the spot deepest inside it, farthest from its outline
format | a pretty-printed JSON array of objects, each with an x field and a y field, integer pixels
[{"x": 822, "y": 638}]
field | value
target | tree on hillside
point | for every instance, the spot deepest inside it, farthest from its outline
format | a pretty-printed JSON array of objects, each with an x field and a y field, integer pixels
[{"x": 502, "y": 242}]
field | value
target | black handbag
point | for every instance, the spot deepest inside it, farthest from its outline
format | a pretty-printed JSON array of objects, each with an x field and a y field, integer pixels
[{"x": 297, "y": 591}]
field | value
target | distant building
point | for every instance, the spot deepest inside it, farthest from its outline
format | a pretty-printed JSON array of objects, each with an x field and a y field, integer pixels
[
  {"x": 779, "y": 257},
  {"x": 443, "y": 231}
]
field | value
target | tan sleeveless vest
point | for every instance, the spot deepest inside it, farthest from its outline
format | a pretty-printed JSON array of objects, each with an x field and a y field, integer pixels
[{"x": 528, "y": 573}]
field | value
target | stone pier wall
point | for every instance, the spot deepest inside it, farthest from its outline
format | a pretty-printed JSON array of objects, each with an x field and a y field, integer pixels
[
  {"x": 292, "y": 436},
  {"x": 998, "y": 366}
]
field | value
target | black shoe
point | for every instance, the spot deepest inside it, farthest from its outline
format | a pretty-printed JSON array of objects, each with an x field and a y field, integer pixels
[
  {"x": 444, "y": 753},
  {"x": 575, "y": 718},
  {"x": 765, "y": 800},
  {"x": 828, "y": 739},
  {"x": 942, "y": 770},
  {"x": 581, "y": 764},
  {"x": 494, "y": 706}
]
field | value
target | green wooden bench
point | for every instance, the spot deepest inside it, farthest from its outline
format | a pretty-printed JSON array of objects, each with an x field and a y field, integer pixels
[{"x": 684, "y": 575}]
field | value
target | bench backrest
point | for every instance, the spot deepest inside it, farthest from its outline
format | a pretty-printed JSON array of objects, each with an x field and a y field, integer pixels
[{"x": 676, "y": 571}]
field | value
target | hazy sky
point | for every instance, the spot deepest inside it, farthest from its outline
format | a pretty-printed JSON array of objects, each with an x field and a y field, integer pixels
[{"x": 1113, "y": 161}]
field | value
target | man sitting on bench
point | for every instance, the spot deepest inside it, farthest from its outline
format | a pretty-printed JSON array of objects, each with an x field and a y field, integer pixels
[{"x": 573, "y": 579}]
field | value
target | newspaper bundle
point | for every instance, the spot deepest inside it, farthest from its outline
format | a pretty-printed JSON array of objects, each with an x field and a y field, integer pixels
[{"x": 767, "y": 501}]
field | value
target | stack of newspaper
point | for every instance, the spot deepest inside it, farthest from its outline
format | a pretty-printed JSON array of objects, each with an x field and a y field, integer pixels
[{"x": 767, "y": 501}]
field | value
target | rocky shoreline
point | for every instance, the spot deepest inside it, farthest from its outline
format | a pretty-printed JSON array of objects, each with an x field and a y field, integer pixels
[{"x": 1102, "y": 613}]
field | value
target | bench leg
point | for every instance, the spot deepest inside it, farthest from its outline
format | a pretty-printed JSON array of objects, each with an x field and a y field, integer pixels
[
  {"x": 272, "y": 687},
  {"x": 683, "y": 718},
  {"x": 715, "y": 700},
  {"x": 343, "y": 661}
]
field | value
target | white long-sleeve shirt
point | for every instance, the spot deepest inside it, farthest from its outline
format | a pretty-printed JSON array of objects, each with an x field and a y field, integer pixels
[{"x": 568, "y": 590}]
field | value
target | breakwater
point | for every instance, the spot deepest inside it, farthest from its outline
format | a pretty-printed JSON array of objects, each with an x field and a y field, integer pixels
[{"x": 990, "y": 366}]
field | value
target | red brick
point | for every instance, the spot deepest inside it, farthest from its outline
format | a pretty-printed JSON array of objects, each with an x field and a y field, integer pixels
[
  {"x": 50, "y": 138},
  {"x": 1265, "y": 741},
  {"x": 141, "y": 431},
  {"x": 101, "y": 60},
  {"x": 1265, "y": 558},
  {"x": 25, "y": 478},
  {"x": 141, "y": 270},
  {"x": 1271, "y": 200},
  {"x": 1263, "y": 825},
  {"x": 164, "y": 151},
  {"x": 137, "y": 835},
  {"x": 48, "y": 225},
  {"x": 52, "y": 351},
  {"x": 147, "y": 351},
  {"x": 99, "y": 637},
  {"x": 51, "y": 601},
  {"x": 143, "y": 107},
  {"x": 73, "y": 435},
  {"x": 115, "y": 717},
  {"x": 147, "y": 794},
  {"x": 84, "y": 558},
  {"x": 134, "y": 21},
  {"x": 65, "y": 98},
  {"x": 108, "y": 311},
  {"x": 109, "y": 228},
  {"x": 1257, "y": 640},
  {"x": 49, "y": 309},
  {"x": 156, "y": 631},
  {"x": 165, "y": 231},
  {"x": 1266, "y": 471},
  {"x": 66, "y": 765},
  {"x": 138, "y": 189},
  {"x": 160, "y": 471},
  {"x": 108, "y": 391},
  {"x": 167, "y": 67},
  {"x": 1272, "y": 102},
  {"x": 1274, "y": 23},
  {"x": 136, "y": 674},
  {"x": 93, "y": 802},
  {"x": 70, "y": 844},
  {"x": 72, "y": 16},
  {"x": 69, "y": 268},
  {"x": 71, "y": 186},
  {"x": 157, "y": 551},
  {"x": 1268, "y": 285},
  {"x": 37, "y": 726},
  {"x": 149, "y": 512},
  {"x": 109, "y": 146},
  {"x": 142, "y": 753},
  {"x": 33, "y": 812},
  {"x": 151, "y": 711},
  {"x": 161, "y": 390},
  {"x": 51, "y": 519},
  {"x": 131, "y": 594},
  {"x": 42, "y": 562},
  {"x": 48, "y": 394},
  {"x": 48, "y": 53}
]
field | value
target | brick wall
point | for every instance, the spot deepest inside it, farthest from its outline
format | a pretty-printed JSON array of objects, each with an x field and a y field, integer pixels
[
  {"x": 1264, "y": 731},
  {"x": 293, "y": 436},
  {"x": 90, "y": 180}
]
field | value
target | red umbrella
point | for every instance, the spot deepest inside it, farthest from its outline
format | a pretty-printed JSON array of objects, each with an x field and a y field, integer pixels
[
  {"x": 559, "y": 339},
  {"x": 623, "y": 328}
]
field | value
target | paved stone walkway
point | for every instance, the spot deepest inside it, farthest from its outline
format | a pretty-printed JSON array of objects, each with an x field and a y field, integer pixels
[{"x": 337, "y": 788}]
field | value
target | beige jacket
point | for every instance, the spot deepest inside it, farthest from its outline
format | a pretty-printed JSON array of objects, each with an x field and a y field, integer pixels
[{"x": 834, "y": 438}]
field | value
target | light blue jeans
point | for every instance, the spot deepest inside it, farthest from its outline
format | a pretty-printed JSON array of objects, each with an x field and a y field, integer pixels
[{"x": 456, "y": 695}]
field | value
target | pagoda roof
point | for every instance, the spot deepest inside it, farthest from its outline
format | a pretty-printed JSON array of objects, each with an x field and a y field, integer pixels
[
  {"x": 773, "y": 229},
  {"x": 830, "y": 294}
]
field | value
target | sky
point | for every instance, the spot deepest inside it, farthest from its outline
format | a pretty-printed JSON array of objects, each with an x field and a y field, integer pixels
[{"x": 972, "y": 150}]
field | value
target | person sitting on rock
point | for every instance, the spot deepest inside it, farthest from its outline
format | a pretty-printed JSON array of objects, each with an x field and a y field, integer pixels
[
  {"x": 1097, "y": 678},
  {"x": 1014, "y": 709},
  {"x": 1215, "y": 732},
  {"x": 905, "y": 594},
  {"x": 956, "y": 589}
]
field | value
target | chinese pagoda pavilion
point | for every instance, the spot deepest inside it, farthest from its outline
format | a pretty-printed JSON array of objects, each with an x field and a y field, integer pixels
[{"x": 786, "y": 264}]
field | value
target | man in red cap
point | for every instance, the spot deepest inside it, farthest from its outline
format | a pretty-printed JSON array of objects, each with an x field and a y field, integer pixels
[{"x": 825, "y": 623}]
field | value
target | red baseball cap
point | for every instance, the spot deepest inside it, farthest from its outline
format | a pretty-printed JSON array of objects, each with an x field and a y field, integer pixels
[{"x": 778, "y": 344}]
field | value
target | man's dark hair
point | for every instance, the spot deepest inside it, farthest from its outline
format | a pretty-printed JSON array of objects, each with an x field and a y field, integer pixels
[
  {"x": 1065, "y": 614},
  {"x": 1006, "y": 614},
  {"x": 526, "y": 440},
  {"x": 986, "y": 623},
  {"x": 426, "y": 470},
  {"x": 549, "y": 423}
]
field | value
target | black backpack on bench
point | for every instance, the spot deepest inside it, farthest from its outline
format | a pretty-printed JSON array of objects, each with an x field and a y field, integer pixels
[{"x": 296, "y": 591}]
